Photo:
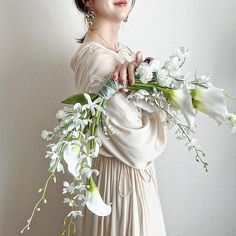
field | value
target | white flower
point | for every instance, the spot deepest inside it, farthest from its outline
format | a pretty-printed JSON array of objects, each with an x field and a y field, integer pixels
[
  {"x": 155, "y": 64},
  {"x": 98, "y": 144},
  {"x": 138, "y": 99},
  {"x": 81, "y": 186},
  {"x": 46, "y": 135},
  {"x": 69, "y": 187},
  {"x": 75, "y": 213},
  {"x": 232, "y": 118},
  {"x": 182, "y": 53},
  {"x": 72, "y": 157},
  {"x": 172, "y": 65},
  {"x": 163, "y": 78},
  {"x": 60, "y": 167},
  {"x": 145, "y": 72},
  {"x": 94, "y": 201},
  {"x": 51, "y": 155},
  {"x": 54, "y": 147},
  {"x": 88, "y": 172},
  {"x": 92, "y": 105},
  {"x": 185, "y": 85},
  {"x": 78, "y": 106},
  {"x": 211, "y": 102},
  {"x": 203, "y": 79},
  {"x": 77, "y": 123},
  {"x": 61, "y": 114},
  {"x": 69, "y": 201},
  {"x": 139, "y": 95},
  {"x": 181, "y": 100}
]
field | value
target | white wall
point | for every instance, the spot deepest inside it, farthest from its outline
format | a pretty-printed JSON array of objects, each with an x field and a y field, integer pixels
[{"x": 37, "y": 40}]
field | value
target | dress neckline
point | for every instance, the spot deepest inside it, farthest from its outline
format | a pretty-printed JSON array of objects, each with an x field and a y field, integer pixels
[{"x": 100, "y": 45}]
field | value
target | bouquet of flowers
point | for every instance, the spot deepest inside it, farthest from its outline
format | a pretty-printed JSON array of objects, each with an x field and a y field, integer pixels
[{"x": 158, "y": 85}]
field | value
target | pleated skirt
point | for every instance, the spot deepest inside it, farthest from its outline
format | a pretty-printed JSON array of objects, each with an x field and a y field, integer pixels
[{"x": 136, "y": 206}]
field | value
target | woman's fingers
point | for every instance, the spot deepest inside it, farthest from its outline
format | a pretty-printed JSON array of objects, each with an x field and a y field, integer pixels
[
  {"x": 131, "y": 67},
  {"x": 120, "y": 74},
  {"x": 123, "y": 73},
  {"x": 139, "y": 57},
  {"x": 126, "y": 71},
  {"x": 115, "y": 74}
]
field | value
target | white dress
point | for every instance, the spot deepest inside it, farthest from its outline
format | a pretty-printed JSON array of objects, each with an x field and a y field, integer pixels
[{"x": 127, "y": 177}]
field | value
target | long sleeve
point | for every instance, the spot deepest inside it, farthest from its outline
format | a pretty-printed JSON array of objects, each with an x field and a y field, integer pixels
[{"x": 140, "y": 136}]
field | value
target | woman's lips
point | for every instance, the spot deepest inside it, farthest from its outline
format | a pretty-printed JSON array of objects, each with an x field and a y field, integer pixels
[{"x": 121, "y": 3}]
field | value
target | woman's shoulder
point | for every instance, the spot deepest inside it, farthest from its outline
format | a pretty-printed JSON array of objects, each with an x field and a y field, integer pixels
[{"x": 90, "y": 52}]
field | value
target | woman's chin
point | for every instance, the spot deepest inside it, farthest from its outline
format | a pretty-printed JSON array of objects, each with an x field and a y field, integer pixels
[{"x": 120, "y": 18}]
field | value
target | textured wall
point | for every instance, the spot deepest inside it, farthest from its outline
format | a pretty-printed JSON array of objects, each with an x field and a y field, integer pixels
[{"x": 37, "y": 40}]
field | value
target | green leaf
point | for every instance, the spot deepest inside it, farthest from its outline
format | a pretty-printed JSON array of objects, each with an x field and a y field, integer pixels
[{"x": 79, "y": 98}]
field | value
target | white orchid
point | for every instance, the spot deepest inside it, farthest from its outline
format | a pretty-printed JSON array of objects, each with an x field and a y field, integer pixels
[
  {"x": 61, "y": 115},
  {"x": 70, "y": 188},
  {"x": 92, "y": 105},
  {"x": 94, "y": 201},
  {"x": 182, "y": 53},
  {"x": 75, "y": 213},
  {"x": 77, "y": 123},
  {"x": 172, "y": 65},
  {"x": 138, "y": 99},
  {"x": 88, "y": 172},
  {"x": 69, "y": 201},
  {"x": 46, "y": 135},
  {"x": 78, "y": 106},
  {"x": 211, "y": 102}
]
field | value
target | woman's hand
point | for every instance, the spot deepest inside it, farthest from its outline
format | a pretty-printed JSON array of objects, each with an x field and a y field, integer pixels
[{"x": 127, "y": 70}]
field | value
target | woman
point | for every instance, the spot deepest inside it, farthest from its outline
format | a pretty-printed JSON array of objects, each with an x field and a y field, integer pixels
[{"x": 127, "y": 176}]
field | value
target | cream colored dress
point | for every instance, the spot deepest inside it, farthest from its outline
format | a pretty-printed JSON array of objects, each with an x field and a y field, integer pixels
[{"x": 127, "y": 176}]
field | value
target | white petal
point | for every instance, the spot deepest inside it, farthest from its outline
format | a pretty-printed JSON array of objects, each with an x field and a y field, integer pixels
[
  {"x": 96, "y": 205},
  {"x": 182, "y": 100},
  {"x": 60, "y": 167},
  {"x": 71, "y": 157},
  {"x": 212, "y": 103}
]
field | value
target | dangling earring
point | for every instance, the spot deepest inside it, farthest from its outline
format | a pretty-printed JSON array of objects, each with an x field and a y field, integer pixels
[{"x": 89, "y": 15}]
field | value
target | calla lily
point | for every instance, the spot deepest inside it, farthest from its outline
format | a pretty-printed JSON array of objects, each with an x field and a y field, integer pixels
[
  {"x": 211, "y": 102},
  {"x": 94, "y": 201},
  {"x": 181, "y": 100},
  {"x": 72, "y": 158}
]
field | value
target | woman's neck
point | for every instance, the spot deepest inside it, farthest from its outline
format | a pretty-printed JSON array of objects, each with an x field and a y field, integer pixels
[{"x": 106, "y": 30}]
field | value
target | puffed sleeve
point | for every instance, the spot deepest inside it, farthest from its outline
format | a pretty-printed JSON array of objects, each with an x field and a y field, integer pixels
[{"x": 139, "y": 136}]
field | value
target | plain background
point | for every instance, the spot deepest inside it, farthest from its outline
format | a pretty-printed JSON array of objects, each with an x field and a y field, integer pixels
[{"x": 37, "y": 41}]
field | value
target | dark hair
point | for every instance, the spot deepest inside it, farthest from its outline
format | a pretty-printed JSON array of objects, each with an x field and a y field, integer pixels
[{"x": 83, "y": 9}]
